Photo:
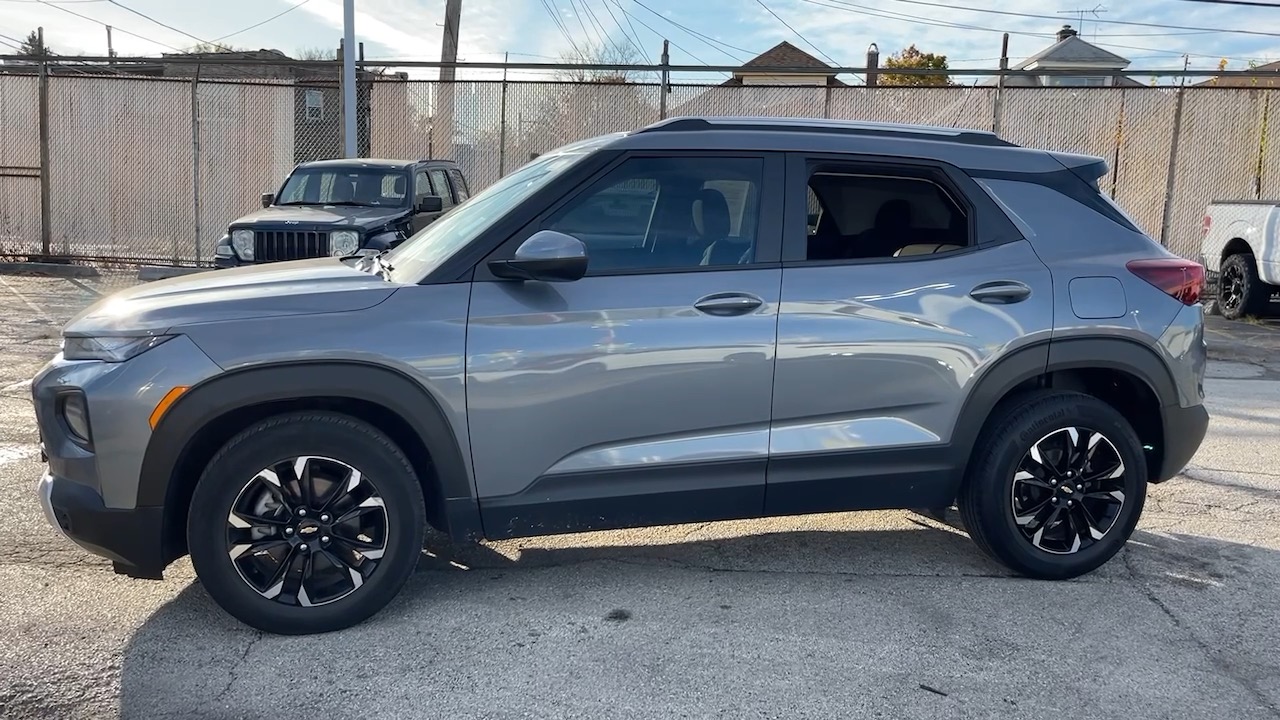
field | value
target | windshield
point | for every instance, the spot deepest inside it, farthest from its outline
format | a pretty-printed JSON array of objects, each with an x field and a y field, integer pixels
[
  {"x": 416, "y": 257},
  {"x": 370, "y": 187}
]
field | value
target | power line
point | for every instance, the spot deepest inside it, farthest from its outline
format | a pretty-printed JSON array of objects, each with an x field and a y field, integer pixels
[
  {"x": 832, "y": 60},
  {"x": 117, "y": 29},
  {"x": 595, "y": 22},
  {"x": 264, "y": 22},
  {"x": 629, "y": 24},
  {"x": 1133, "y": 23},
  {"x": 557, "y": 21},
  {"x": 903, "y": 17},
  {"x": 635, "y": 42},
  {"x": 578, "y": 15},
  {"x": 157, "y": 22},
  {"x": 655, "y": 32},
  {"x": 1238, "y": 2},
  {"x": 706, "y": 39}
]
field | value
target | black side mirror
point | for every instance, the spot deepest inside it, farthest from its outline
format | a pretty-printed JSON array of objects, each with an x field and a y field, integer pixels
[
  {"x": 429, "y": 204},
  {"x": 548, "y": 256},
  {"x": 267, "y": 199}
]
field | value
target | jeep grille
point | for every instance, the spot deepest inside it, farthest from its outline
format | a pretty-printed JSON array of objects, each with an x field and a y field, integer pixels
[{"x": 274, "y": 245}]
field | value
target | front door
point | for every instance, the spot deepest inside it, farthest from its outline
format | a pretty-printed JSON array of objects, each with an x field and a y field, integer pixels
[
  {"x": 641, "y": 393},
  {"x": 902, "y": 285},
  {"x": 422, "y": 186}
]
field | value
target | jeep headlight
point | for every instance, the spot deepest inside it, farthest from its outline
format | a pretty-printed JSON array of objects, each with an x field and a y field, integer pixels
[
  {"x": 242, "y": 241},
  {"x": 109, "y": 349},
  {"x": 344, "y": 242}
]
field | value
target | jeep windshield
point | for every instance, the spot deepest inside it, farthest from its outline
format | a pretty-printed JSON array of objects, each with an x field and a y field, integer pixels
[
  {"x": 418, "y": 256},
  {"x": 358, "y": 186}
]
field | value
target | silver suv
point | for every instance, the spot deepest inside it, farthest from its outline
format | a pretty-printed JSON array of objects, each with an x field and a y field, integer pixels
[{"x": 705, "y": 319}]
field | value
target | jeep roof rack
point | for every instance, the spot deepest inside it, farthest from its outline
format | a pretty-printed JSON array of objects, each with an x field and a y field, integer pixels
[{"x": 838, "y": 127}]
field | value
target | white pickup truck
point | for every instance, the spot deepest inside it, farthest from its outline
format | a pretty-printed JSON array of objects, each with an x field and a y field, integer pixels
[{"x": 1240, "y": 252}]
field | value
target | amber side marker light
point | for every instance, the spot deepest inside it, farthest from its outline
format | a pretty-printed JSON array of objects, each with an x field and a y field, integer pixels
[{"x": 165, "y": 403}]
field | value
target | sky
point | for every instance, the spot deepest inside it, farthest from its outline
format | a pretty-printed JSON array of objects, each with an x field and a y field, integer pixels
[{"x": 715, "y": 32}]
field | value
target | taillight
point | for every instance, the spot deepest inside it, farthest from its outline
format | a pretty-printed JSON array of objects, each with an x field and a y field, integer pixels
[
  {"x": 1205, "y": 224},
  {"x": 1183, "y": 280}
]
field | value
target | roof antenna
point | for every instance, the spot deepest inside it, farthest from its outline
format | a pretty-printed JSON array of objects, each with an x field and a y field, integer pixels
[{"x": 1081, "y": 12}]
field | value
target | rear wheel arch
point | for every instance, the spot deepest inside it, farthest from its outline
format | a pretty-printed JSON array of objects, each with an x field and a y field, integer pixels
[
  {"x": 1089, "y": 365},
  {"x": 1235, "y": 246},
  {"x": 209, "y": 414}
]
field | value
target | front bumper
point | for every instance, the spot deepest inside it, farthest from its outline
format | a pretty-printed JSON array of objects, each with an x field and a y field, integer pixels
[
  {"x": 131, "y": 539},
  {"x": 1184, "y": 430}
]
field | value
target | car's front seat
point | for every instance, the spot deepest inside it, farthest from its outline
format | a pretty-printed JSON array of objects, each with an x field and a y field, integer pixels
[{"x": 711, "y": 219}]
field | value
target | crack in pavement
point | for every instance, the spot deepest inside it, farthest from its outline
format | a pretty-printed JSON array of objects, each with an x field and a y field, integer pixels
[
  {"x": 232, "y": 674},
  {"x": 1222, "y": 665}
]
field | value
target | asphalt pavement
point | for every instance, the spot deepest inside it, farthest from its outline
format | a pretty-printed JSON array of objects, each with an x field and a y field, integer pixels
[{"x": 878, "y": 614}]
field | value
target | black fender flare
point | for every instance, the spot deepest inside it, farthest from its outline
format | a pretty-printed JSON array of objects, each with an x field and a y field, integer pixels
[
  {"x": 1039, "y": 359},
  {"x": 364, "y": 381}
]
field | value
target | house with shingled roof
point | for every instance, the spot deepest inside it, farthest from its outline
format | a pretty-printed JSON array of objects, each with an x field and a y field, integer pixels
[
  {"x": 1096, "y": 66},
  {"x": 808, "y": 70}
]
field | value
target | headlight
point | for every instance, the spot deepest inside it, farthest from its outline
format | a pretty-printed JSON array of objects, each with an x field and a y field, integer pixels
[
  {"x": 242, "y": 241},
  {"x": 109, "y": 349},
  {"x": 344, "y": 242}
]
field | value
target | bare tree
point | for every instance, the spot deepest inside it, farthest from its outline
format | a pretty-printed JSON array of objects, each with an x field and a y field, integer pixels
[
  {"x": 609, "y": 54},
  {"x": 315, "y": 53}
]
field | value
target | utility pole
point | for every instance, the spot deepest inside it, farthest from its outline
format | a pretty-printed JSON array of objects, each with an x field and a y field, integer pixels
[
  {"x": 46, "y": 193},
  {"x": 111, "y": 51},
  {"x": 448, "y": 54},
  {"x": 349, "y": 78},
  {"x": 665, "y": 81}
]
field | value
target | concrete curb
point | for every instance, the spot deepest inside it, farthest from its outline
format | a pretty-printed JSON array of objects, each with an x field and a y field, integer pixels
[
  {"x": 50, "y": 269},
  {"x": 161, "y": 272}
]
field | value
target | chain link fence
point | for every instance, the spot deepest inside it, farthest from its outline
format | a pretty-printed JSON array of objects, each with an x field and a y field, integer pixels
[{"x": 152, "y": 170}]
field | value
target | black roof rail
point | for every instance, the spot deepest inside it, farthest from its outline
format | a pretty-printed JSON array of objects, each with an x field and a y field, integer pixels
[{"x": 835, "y": 127}]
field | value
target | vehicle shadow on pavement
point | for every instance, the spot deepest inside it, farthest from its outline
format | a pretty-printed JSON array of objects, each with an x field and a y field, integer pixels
[{"x": 618, "y": 626}]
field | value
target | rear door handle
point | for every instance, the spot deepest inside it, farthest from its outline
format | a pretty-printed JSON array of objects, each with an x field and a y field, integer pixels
[
  {"x": 724, "y": 304},
  {"x": 1000, "y": 292}
]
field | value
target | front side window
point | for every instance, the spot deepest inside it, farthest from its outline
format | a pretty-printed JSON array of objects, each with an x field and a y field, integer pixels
[
  {"x": 667, "y": 213},
  {"x": 432, "y": 246},
  {"x": 342, "y": 186}
]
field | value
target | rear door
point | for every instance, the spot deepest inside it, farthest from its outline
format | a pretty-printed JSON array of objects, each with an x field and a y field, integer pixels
[
  {"x": 902, "y": 281},
  {"x": 639, "y": 394}
]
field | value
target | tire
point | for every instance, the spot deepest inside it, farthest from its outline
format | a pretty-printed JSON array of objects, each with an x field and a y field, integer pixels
[
  {"x": 1007, "y": 495},
  {"x": 1240, "y": 291},
  {"x": 247, "y": 505}
]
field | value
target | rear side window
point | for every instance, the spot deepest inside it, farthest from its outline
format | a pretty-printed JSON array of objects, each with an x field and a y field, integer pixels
[
  {"x": 854, "y": 215},
  {"x": 460, "y": 185},
  {"x": 440, "y": 183}
]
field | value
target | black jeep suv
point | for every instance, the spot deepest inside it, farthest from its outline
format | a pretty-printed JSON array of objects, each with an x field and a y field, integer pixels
[{"x": 343, "y": 207}]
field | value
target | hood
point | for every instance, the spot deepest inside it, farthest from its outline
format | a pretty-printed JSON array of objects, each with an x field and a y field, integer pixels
[
  {"x": 309, "y": 216},
  {"x": 304, "y": 287}
]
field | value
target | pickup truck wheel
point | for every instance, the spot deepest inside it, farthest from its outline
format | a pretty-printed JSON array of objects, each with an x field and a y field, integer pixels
[
  {"x": 1240, "y": 291},
  {"x": 306, "y": 523},
  {"x": 1057, "y": 485}
]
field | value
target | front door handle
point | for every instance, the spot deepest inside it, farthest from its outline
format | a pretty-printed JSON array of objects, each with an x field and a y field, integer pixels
[
  {"x": 1000, "y": 292},
  {"x": 724, "y": 304}
]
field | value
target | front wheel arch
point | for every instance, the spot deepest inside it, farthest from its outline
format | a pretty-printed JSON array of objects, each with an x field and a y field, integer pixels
[{"x": 209, "y": 414}]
